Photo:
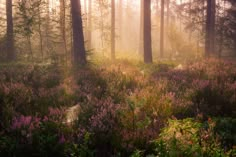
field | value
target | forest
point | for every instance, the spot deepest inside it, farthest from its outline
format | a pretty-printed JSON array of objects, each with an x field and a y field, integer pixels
[{"x": 118, "y": 78}]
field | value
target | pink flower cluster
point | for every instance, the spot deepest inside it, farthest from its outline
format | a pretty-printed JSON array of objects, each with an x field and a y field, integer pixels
[
  {"x": 104, "y": 118},
  {"x": 25, "y": 122},
  {"x": 22, "y": 121},
  {"x": 33, "y": 121}
]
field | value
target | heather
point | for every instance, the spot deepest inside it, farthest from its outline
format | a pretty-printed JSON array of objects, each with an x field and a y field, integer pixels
[{"x": 126, "y": 108}]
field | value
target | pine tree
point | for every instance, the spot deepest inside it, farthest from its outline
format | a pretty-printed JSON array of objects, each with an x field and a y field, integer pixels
[
  {"x": 63, "y": 24},
  {"x": 89, "y": 36},
  {"x": 147, "y": 32},
  {"x": 11, "y": 56},
  {"x": 210, "y": 28},
  {"x": 162, "y": 29},
  {"x": 113, "y": 29},
  {"x": 79, "y": 56},
  {"x": 141, "y": 27}
]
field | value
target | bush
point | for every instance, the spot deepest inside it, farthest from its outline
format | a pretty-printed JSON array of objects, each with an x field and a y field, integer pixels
[{"x": 191, "y": 138}]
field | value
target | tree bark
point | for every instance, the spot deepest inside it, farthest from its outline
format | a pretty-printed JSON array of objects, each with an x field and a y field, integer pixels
[
  {"x": 190, "y": 18},
  {"x": 113, "y": 29},
  {"x": 85, "y": 15},
  {"x": 210, "y": 28},
  {"x": 11, "y": 56},
  {"x": 120, "y": 11},
  {"x": 47, "y": 26},
  {"x": 89, "y": 24},
  {"x": 147, "y": 32},
  {"x": 162, "y": 29},
  {"x": 63, "y": 25},
  {"x": 40, "y": 32},
  {"x": 79, "y": 53},
  {"x": 168, "y": 13},
  {"x": 141, "y": 49}
]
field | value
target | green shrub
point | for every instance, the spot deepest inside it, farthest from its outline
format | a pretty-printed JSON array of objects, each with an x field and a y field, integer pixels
[{"x": 190, "y": 138}]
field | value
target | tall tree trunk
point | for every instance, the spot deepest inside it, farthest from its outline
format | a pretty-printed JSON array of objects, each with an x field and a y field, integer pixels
[
  {"x": 30, "y": 47},
  {"x": 11, "y": 56},
  {"x": 40, "y": 32},
  {"x": 102, "y": 25},
  {"x": 190, "y": 18},
  {"x": 222, "y": 34},
  {"x": 167, "y": 32},
  {"x": 47, "y": 26},
  {"x": 210, "y": 28},
  {"x": 71, "y": 38},
  {"x": 147, "y": 32},
  {"x": 120, "y": 14},
  {"x": 113, "y": 29},
  {"x": 85, "y": 23},
  {"x": 162, "y": 29},
  {"x": 63, "y": 25},
  {"x": 180, "y": 18},
  {"x": 168, "y": 13},
  {"x": 141, "y": 27},
  {"x": 79, "y": 56},
  {"x": 89, "y": 35}
]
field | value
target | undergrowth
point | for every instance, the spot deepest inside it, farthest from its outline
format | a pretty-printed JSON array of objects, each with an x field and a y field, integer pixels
[{"x": 126, "y": 108}]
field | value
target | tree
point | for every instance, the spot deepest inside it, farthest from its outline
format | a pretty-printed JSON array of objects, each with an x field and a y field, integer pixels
[
  {"x": 89, "y": 24},
  {"x": 47, "y": 25},
  {"x": 103, "y": 24},
  {"x": 147, "y": 32},
  {"x": 141, "y": 27},
  {"x": 79, "y": 54},
  {"x": 231, "y": 22},
  {"x": 120, "y": 27},
  {"x": 28, "y": 12},
  {"x": 190, "y": 17},
  {"x": 210, "y": 28},
  {"x": 113, "y": 29},
  {"x": 85, "y": 22},
  {"x": 63, "y": 25},
  {"x": 11, "y": 56},
  {"x": 162, "y": 29},
  {"x": 167, "y": 13},
  {"x": 40, "y": 29}
]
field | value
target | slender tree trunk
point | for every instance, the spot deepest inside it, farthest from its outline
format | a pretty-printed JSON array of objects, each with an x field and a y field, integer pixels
[
  {"x": 210, "y": 28},
  {"x": 141, "y": 49},
  {"x": 78, "y": 36},
  {"x": 89, "y": 36},
  {"x": 190, "y": 17},
  {"x": 63, "y": 25},
  {"x": 11, "y": 56},
  {"x": 40, "y": 33},
  {"x": 113, "y": 29},
  {"x": 167, "y": 32},
  {"x": 168, "y": 13},
  {"x": 41, "y": 41},
  {"x": 71, "y": 38},
  {"x": 180, "y": 19},
  {"x": 120, "y": 14},
  {"x": 85, "y": 23},
  {"x": 30, "y": 47},
  {"x": 162, "y": 29},
  {"x": 198, "y": 42},
  {"x": 47, "y": 26},
  {"x": 101, "y": 23},
  {"x": 147, "y": 32},
  {"x": 221, "y": 42}
]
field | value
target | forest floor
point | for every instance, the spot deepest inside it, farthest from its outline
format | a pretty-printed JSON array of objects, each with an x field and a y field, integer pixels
[{"x": 122, "y": 108}]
